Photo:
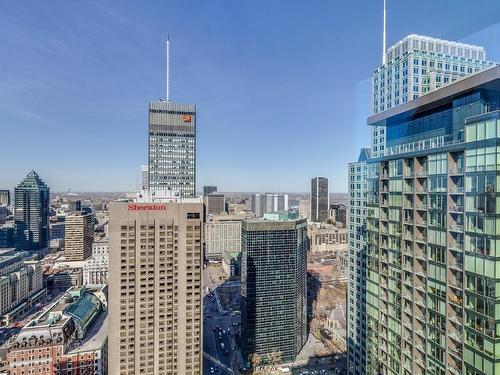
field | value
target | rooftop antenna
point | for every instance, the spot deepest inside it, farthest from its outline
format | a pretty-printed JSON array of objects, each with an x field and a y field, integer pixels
[
  {"x": 384, "y": 58},
  {"x": 168, "y": 68}
]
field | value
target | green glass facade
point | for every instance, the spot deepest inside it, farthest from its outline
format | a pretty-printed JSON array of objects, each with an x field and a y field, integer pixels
[{"x": 432, "y": 226}]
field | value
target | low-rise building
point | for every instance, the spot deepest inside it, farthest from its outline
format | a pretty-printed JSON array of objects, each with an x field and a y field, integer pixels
[
  {"x": 95, "y": 270},
  {"x": 327, "y": 239},
  {"x": 21, "y": 286},
  {"x": 70, "y": 337}
]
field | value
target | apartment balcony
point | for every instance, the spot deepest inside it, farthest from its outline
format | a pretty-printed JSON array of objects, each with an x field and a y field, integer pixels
[
  {"x": 408, "y": 220},
  {"x": 421, "y": 174},
  {"x": 456, "y": 209},
  {"x": 420, "y": 348},
  {"x": 457, "y": 353},
  {"x": 421, "y": 222},
  {"x": 454, "y": 369},
  {"x": 420, "y": 288},
  {"x": 455, "y": 300},
  {"x": 420, "y": 317},
  {"x": 457, "y": 247},
  {"x": 456, "y": 337},
  {"x": 421, "y": 303},
  {"x": 420, "y": 238},
  {"x": 384, "y": 175},
  {"x": 457, "y": 284},
  {"x": 456, "y": 190},
  {"x": 456, "y": 171},
  {"x": 457, "y": 228}
]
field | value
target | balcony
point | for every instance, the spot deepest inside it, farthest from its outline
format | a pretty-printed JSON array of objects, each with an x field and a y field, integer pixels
[
  {"x": 454, "y": 319},
  {"x": 456, "y": 170},
  {"x": 455, "y": 300},
  {"x": 456, "y": 190},
  {"x": 456, "y": 228},
  {"x": 421, "y": 174},
  {"x": 456, "y": 209}
]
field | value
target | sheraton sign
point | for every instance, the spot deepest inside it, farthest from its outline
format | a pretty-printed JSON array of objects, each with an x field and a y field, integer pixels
[{"x": 147, "y": 207}]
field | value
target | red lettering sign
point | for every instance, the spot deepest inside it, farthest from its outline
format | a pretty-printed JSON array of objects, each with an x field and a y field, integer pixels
[{"x": 147, "y": 207}]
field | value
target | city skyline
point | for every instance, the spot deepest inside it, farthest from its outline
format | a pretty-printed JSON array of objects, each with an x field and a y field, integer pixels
[{"x": 119, "y": 73}]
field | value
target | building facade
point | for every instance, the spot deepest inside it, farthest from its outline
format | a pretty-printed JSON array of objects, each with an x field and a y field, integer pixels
[
  {"x": 21, "y": 286},
  {"x": 155, "y": 288},
  {"x": 417, "y": 65},
  {"x": 31, "y": 213},
  {"x": 274, "y": 287},
  {"x": 214, "y": 203},
  {"x": 320, "y": 199},
  {"x": 207, "y": 190},
  {"x": 327, "y": 239},
  {"x": 96, "y": 268},
  {"x": 431, "y": 233},
  {"x": 172, "y": 147},
  {"x": 356, "y": 293},
  {"x": 4, "y": 197},
  {"x": 78, "y": 236},
  {"x": 268, "y": 202},
  {"x": 222, "y": 236}
]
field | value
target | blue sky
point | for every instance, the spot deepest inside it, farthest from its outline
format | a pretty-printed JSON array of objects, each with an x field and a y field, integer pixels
[{"x": 281, "y": 87}]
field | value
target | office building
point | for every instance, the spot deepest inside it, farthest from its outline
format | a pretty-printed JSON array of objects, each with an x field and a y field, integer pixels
[
  {"x": 172, "y": 147},
  {"x": 31, "y": 213},
  {"x": 4, "y": 214},
  {"x": 4, "y": 197},
  {"x": 7, "y": 235},
  {"x": 415, "y": 66},
  {"x": 96, "y": 268},
  {"x": 79, "y": 236},
  {"x": 274, "y": 287},
  {"x": 214, "y": 203},
  {"x": 223, "y": 236},
  {"x": 207, "y": 190},
  {"x": 327, "y": 239},
  {"x": 320, "y": 199},
  {"x": 430, "y": 233},
  {"x": 21, "y": 286},
  {"x": 70, "y": 337},
  {"x": 268, "y": 202},
  {"x": 144, "y": 177},
  {"x": 338, "y": 213},
  {"x": 305, "y": 207},
  {"x": 155, "y": 287}
]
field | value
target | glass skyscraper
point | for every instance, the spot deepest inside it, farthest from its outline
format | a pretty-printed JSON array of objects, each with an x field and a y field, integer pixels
[
  {"x": 31, "y": 213},
  {"x": 320, "y": 199},
  {"x": 430, "y": 263},
  {"x": 172, "y": 148},
  {"x": 274, "y": 287}
]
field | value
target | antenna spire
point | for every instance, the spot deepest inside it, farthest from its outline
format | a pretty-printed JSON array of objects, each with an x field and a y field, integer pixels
[
  {"x": 384, "y": 58},
  {"x": 168, "y": 68}
]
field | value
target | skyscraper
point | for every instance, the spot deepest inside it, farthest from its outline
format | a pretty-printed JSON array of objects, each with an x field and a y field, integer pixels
[
  {"x": 172, "y": 147},
  {"x": 320, "y": 199},
  {"x": 4, "y": 197},
  {"x": 144, "y": 177},
  {"x": 415, "y": 66},
  {"x": 79, "y": 236},
  {"x": 430, "y": 233},
  {"x": 269, "y": 202},
  {"x": 274, "y": 287},
  {"x": 209, "y": 189},
  {"x": 31, "y": 213},
  {"x": 155, "y": 288}
]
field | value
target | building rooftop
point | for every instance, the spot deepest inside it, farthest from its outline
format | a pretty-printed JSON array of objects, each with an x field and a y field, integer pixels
[{"x": 95, "y": 338}]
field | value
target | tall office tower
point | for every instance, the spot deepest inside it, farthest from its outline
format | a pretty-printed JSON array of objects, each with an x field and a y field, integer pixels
[
  {"x": 269, "y": 202},
  {"x": 144, "y": 177},
  {"x": 356, "y": 316},
  {"x": 320, "y": 199},
  {"x": 431, "y": 233},
  {"x": 78, "y": 236},
  {"x": 172, "y": 147},
  {"x": 274, "y": 286},
  {"x": 207, "y": 190},
  {"x": 415, "y": 66},
  {"x": 215, "y": 203},
  {"x": 155, "y": 288},
  {"x": 31, "y": 213},
  {"x": 4, "y": 197}
]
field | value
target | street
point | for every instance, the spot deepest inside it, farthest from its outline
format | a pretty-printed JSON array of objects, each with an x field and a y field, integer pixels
[{"x": 221, "y": 355}]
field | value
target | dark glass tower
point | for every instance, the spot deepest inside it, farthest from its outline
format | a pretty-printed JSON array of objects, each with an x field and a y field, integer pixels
[
  {"x": 274, "y": 287},
  {"x": 320, "y": 201},
  {"x": 31, "y": 213}
]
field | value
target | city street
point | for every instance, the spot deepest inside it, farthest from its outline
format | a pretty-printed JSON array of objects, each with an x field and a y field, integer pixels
[{"x": 221, "y": 355}]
